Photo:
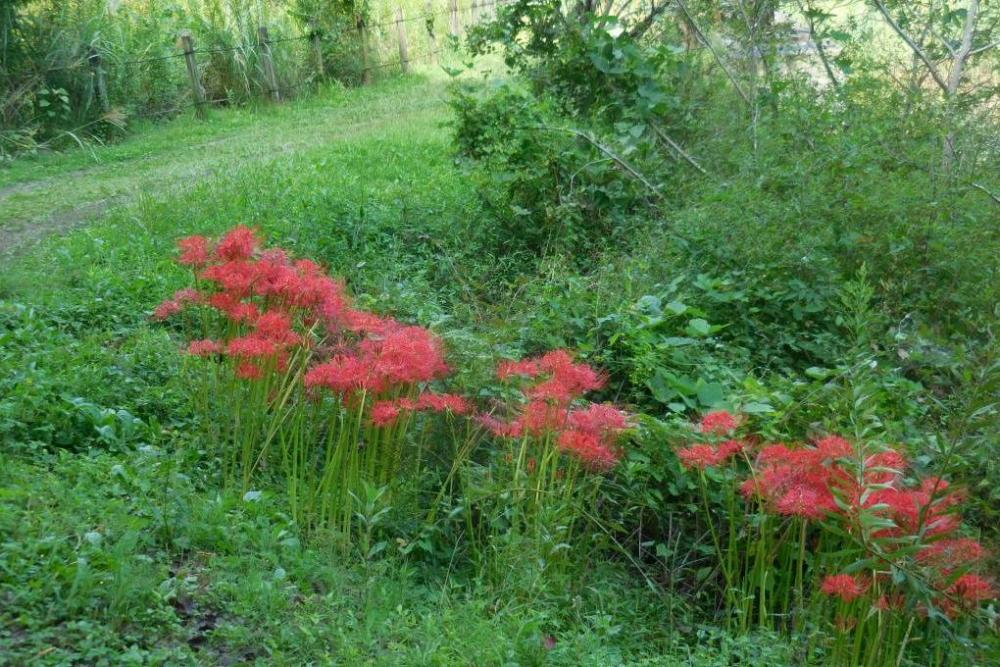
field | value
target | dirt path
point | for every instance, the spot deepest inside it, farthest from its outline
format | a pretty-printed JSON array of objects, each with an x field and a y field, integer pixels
[{"x": 179, "y": 154}]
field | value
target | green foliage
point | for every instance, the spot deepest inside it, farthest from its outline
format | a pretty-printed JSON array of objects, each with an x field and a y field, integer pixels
[
  {"x": 48, "y": 96},
  {"x": 552, "y": 189},
  {"x": 785, "y": 284}
]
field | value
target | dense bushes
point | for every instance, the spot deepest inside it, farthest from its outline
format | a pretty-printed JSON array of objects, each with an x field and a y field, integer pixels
[{"x": 754, "y": 239}]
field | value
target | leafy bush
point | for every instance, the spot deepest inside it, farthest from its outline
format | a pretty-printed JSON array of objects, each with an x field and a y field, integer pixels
[{"x": 552, "y": 189}]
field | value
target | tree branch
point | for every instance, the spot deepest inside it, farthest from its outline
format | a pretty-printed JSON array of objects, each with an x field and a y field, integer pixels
[
  {"x": 639, "y": 29},
  {"x": 708, "y": 45},
  {"x": 990, "y": 194},
  {"x": 818, "y": 41},
  {"x": 985, "y": 47},
  {"x": 955, "y": 77},
  {"x": 604, "y": 149},
  {"x": 913, "y": 45},
  {"x": 680, "y": 151}
]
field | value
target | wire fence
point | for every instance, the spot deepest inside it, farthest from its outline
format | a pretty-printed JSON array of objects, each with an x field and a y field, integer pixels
[
  {"x": 97, "y": 63},
  {"x": 484, "y": 9}
]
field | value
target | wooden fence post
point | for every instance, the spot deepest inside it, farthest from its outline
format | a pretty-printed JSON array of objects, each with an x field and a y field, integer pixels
[
  {"x": 100, "y": 84},
  {"x": 455, "y": 25},
  {"x": 366, "y": 70},
  {"x": 187, "y": 43},
  {"x": 268, "y": 63},
  {"x": 404, "y": 51},
  {"x": 429, "y": 10}
]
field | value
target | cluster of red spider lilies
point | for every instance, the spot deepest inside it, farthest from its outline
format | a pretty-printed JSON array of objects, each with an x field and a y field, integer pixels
[
  {"x": 311, "y": 376},
  {"x": 311, "y": 385},
  {"x": 877, "y": 538}
]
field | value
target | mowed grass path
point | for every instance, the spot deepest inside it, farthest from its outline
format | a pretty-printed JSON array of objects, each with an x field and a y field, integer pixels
[{"x": 49, "y": 194}]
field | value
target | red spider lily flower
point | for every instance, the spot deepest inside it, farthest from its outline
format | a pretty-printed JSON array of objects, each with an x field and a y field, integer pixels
[
  {"x": 894, "y": 602},
  {"x": 239, "y": 243},
  {"x": 452, "y": 403},
  {"x": 600, "y": 418},
  {"x": 731, "y": 448},
  {"x": 776, "y": 452},
  {"x": 562, "y": 379},
  {"x": 342, "y": 374},
  {"x": 527, "y": 368},
  {"x": 243, "y": 312},
  {"x": 834, "y": 447},
  {"x": 719, "y": 423},
  {"x": 301, "y": 285},
  {"x": 844, "y": 586},
  {"x": 233, "y": 308},
  {"x": 884, "y": 467},
  {"x": 952, "y": 553},
  {"x": 912, "y": 510},
  {"x": 592, "y": 451},
  {"x": 236, "y": 276},
  {"x": 551, "y": 390},
  {"x": 194, "y": 251},
  {"x": 500, "y": 428},
  {"x": 794, "y": 482},
  {"x": 360, "y": 321},
  {"x": 187, "y": 295},
  {"x": 204, "y": 348},
  {"x": 251, "y": 347},
  {"x": 385, "y": 413},
  {"x": 576, "y": 378},
  {"x": 276, "y": 326},
  {"x": 406, "y": 355},
  {"x": 845, "y": 623},
  {"x": 539, "y": 417},
  {"x": 806, "y": 501},
  {"x": 940, "y": 493},
  {"x": 707, "y": 456},
  {"x": 934, "y": 485},
  {"x": 173, "y": 306},
  {"x": 249, "y": 371},
  {"x": 973, "y": 589},
  {"x": 167, "y": 309},
  {"x": 698, "y": 456},
  {"x": 945, "y": 524},
  {"x": 752, "y": 489}
]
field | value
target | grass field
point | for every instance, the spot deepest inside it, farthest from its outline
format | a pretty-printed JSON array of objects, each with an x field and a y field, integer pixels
[
  {"x": 118, "y": 548},
  {"x": 53, "y": 192},
  {"x": 122, "y": 543}
]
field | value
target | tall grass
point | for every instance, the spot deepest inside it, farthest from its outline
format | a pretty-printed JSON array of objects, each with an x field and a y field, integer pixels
[{"x": 49, "y": 83}]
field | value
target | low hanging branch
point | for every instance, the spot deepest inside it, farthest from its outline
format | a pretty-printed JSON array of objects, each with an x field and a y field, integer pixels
[
  {"x": 677, "y": 148},
  {"x": 988, "y": 193},
  {"x": 620, "y": 161}
]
